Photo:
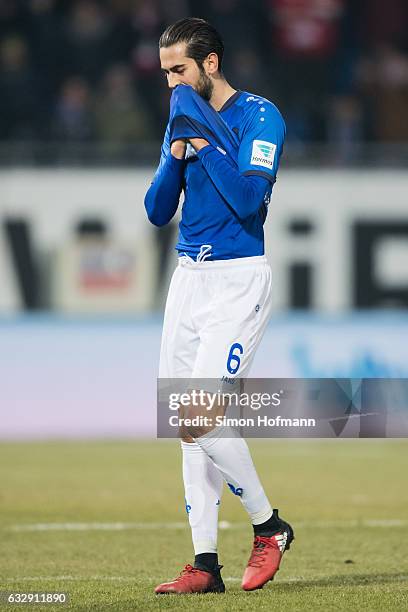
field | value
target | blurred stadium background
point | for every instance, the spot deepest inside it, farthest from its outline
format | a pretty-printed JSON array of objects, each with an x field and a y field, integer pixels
[{"x": 83, "y": 275}]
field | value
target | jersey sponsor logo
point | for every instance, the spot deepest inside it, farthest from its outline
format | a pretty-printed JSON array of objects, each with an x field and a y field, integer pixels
[{"x": 263, "y": 153}]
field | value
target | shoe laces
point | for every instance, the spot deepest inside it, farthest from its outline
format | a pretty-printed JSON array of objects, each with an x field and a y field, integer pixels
[
  {"x": 259, "y": 551},
  {"x": 187, "y": 571}
]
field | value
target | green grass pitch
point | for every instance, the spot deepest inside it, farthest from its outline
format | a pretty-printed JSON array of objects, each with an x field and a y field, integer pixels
[{"x": 347, "y": 501}]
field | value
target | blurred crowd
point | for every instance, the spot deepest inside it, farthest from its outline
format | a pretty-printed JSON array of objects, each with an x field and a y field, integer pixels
[{"x": 89, "y": 71}]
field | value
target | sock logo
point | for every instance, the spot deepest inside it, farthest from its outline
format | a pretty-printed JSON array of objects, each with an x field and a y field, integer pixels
[{"x": 236, "y": 491}]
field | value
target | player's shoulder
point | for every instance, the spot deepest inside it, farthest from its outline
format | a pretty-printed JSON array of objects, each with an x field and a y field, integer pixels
[{"x": 256, "y": 107}]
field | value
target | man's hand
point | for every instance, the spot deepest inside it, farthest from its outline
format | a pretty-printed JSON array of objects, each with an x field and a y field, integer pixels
[
  {"x": 178, "y": 149},
  {"x": 198, "y": 143}
]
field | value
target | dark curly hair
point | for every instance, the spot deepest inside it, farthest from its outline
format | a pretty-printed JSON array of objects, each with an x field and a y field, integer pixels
[{"x": 199, "y": 35}]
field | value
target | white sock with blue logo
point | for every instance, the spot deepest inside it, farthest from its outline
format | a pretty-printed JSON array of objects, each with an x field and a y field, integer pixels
[
  {"x": 231, "y": 455},
  {"x": 203, "y": 484}
]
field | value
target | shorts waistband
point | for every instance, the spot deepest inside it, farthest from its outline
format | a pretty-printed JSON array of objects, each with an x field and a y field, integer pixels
[{"x": 187, "y": 262}]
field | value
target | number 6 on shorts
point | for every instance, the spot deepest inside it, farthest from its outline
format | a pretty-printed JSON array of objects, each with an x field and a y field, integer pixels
[{"x": 234, "y": 358}]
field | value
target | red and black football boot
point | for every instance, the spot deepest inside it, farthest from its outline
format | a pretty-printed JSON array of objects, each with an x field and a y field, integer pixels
[
  {"x": 193, "y": 580},
  {"x": 266, "y": 555}
]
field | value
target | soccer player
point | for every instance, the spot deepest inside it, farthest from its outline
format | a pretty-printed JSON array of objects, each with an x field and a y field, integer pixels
[{"x": 219, "y": 299}]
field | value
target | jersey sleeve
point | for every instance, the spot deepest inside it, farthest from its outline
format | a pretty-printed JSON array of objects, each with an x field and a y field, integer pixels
[
  {"x": 165, "y": 149},
  {"x": 162, "y": 197},
  {"x": 262, "y": 140}
]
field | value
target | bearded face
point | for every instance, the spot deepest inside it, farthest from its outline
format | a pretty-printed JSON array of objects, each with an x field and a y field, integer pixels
[{"x": 204, "y": 86}]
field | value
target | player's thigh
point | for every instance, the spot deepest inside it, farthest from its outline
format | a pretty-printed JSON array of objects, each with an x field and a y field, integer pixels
[
  {"x": 229, "y": 341},
  {"x": 180, "y": 341}
]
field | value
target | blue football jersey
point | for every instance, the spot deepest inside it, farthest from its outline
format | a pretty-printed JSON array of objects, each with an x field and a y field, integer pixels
[{"x": 206, "y": 218}]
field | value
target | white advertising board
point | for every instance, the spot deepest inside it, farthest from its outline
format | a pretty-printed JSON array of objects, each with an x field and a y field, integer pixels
[{"x": 349, "y": 229}]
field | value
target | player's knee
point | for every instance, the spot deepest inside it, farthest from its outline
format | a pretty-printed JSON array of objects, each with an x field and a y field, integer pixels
[{"x": 196, "y": 421}]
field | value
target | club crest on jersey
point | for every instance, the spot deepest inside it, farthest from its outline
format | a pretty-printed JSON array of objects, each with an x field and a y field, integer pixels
[{"x": 263, "y": 153}]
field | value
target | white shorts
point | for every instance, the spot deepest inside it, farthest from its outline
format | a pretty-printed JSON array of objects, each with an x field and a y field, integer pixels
[{"x": 215, "y": 317}]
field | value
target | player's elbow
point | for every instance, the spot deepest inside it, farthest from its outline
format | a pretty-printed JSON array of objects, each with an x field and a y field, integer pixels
[
  {"x": 252, "y": 197},
  {"x": 156, "y": 219},
  {"x": 247, "y": 208},
  {"x": 153, "y": 214}
]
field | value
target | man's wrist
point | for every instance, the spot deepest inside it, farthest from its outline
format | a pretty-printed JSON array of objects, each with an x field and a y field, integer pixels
[
  {"x": 198, "y": 143},
  {"x": 204, "y": 150},
  {"x": 176, "y": 159},
  {"x": 175, "y": 164}
]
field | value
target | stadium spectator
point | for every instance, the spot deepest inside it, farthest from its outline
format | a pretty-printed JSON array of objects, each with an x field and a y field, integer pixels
[
  {"x": 90, "y": 40},
  {"x": 336, "y": 67},
  {"x": 383, "y": 22},
  {"x": 248, "y": 72},
  {"x": 48, "y": 51},
  {"x": 73, "y": 121},
  {"x": 304, "y": 35},
  {"x": 120, "y": 115},
  {"x": 243, "y": 25},
  {"x": 20, "y": 99},
  {"x": 383, "y": 69},
  {"x": 384, "y": 81},
  {"x": 13, "y": 18},
  {"x": 146, "y": 20}
]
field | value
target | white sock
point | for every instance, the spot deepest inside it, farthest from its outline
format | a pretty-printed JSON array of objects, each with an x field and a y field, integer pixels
[
  {"x": 232, "y": 457},
  {"x": 203, "y": 488}
]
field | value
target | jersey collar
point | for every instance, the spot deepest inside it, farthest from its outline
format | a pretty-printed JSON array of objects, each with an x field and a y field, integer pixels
[{"x": 230, "y": 101}]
